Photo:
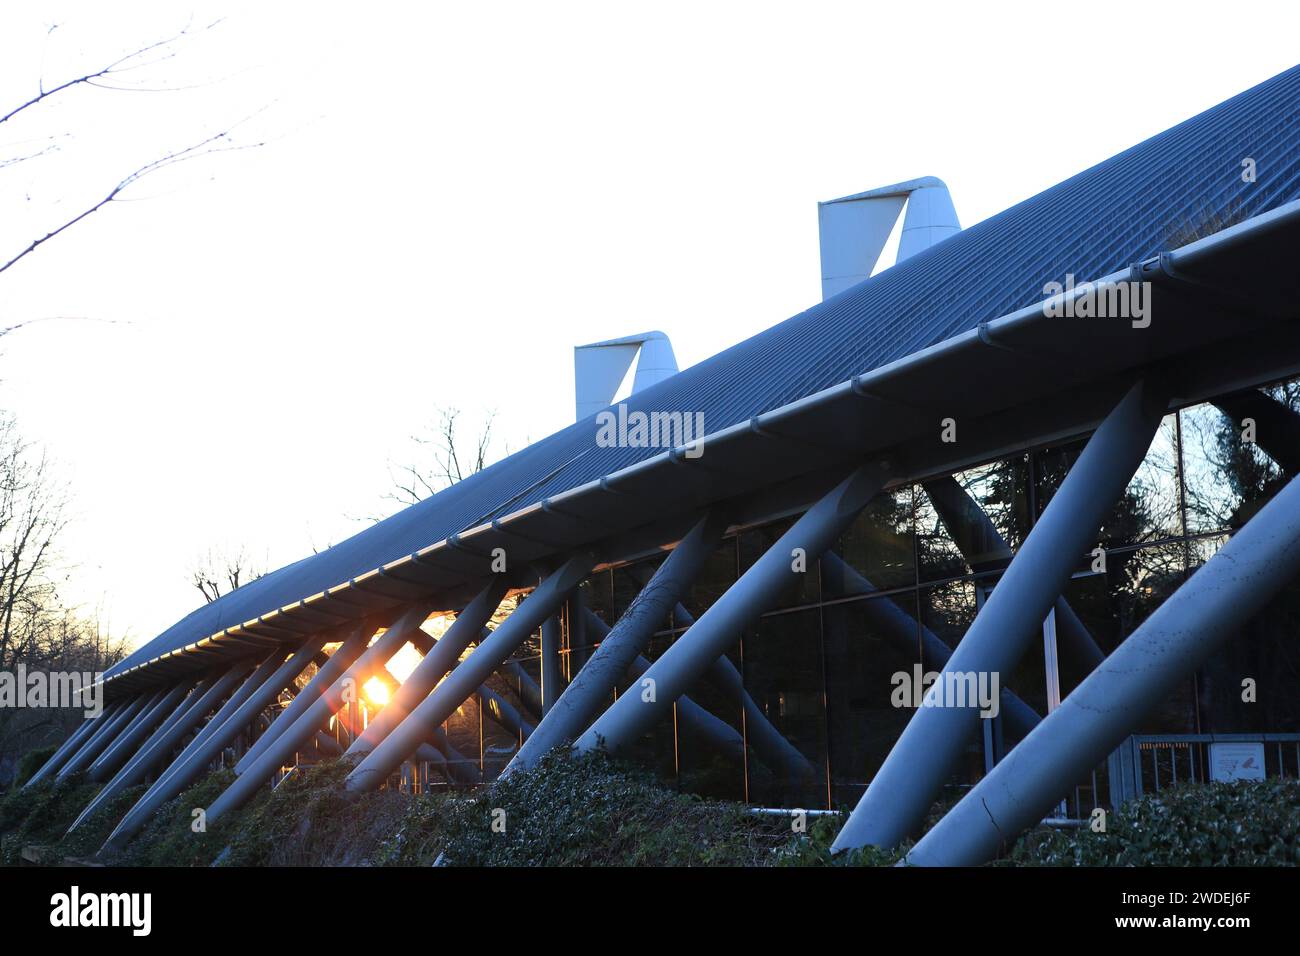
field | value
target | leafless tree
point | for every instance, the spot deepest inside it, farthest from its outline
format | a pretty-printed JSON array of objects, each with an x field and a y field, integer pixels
[
  {"x": 445, "y": 458},
  {"x": 114, "y": 75},
  {"x": 220, "y": 572},
  {"x": 36, "y": 628}
]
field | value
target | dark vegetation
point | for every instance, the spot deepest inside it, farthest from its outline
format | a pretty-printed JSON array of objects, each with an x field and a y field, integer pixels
[{"x": 596, "y": 812}]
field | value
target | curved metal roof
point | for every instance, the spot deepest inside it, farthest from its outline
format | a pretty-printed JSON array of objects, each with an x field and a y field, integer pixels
[{"x": 1123, "y": 210}]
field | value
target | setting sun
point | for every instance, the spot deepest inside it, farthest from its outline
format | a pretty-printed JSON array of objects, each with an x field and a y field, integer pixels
[{"x": 376, "y": 691}]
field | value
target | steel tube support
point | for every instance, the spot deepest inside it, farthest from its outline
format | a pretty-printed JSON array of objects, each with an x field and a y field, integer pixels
[
  {"x": 979, "y": 540},
  {"x": 1232, "y": 587},
  {"x": 152, "y": 754},
  {"x": 908, "y": 781},
  {"x": 74, "y": 741},
  {"x": 442, "y": 657},
  {"x": 466, "y": 677},
  {"x": 722, "y": 625},
  {"x": 186, "y": 768},
  {"x": 589, "y": 691},
  {"x": 901, "y": 629},
  {"x": 550, "y": 660},
  {"x": 302, "y": 730},
  {"x": 104, "y": 738},
  {"x": 112, "y": 759},
  {"x": 354, "y": 643},
  {"x": 768, "y": 742}
]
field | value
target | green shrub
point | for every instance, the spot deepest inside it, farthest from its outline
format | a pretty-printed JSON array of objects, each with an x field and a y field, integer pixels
[
  {"x": 1216, "y": 824},
  {"x": 31, "y": 762}
]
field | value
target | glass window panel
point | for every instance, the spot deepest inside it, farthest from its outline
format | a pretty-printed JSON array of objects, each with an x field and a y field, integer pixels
[
  {"x": 802, "y": 588},
  {"x": 879, "y": 545},
  {"x": 656, "y": 749},
  {"x": 1227, "y": 479},
  {"x": 1149, "y": 509},
  {"x": 998, "y": 492},
  {"x": 1266, "y": 650},
  {"x": 1112, "y": 605},
  {"x": 938, "y": 556},
  {"x": 867, "y": 643},
  {"x": 948, "y": 610},
  {"x": 783, "y": 674},
  {"x": 718, "y": 574},
  {"x": 702, "y": 768}
]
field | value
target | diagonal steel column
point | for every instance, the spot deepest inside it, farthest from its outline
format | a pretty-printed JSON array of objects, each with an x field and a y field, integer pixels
[
  {"x": 251, "y": 683},
  {"x": 153, "y": 754},
  {"x": 979, "y": 540},
  {"x": 288, "y": 742},
  {"x": 70, "y": 746},
  {"x": 589, "y": 691},
  {"x": 908, "y": 781},
  {"x": 442, "y": 657},
  {"x": 112, "y": 759},
  {"x": 718, "y": 735},
  {"x": 104, "y": 738},
  {"x": 902, "y": 629},
  {"x": 550, "y": 661},
  {"x": 505, "y": 713},
  {"x": 1233, "y": 586},
  {"x": 722, "y": 625},
  {"x": 530, "y": 693},
  {"x": 186, "y": 768},
  {"x": 465, "y": 678},
  {"x": 1277, "y": 425},
  {"x": 768, "y": 742},
  {"x": 354, "y": 643}
]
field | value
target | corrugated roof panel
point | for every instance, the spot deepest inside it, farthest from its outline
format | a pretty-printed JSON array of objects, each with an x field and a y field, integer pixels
[{"x": 1122, "y": 210}]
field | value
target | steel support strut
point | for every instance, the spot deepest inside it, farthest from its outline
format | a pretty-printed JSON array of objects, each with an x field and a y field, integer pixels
[
  {"x": 591, "y": 687},
  {"x": 441, "y": 658},
  {"x": 305, "y": 727},
  {"x": 722, "y": 625},
  {"x": 103, "y": 737},
  {"x": 186, "y": 768},
  {"x": 465, "y": 678},
  {"x": 908, "y": 781},
  {"x": 70, "y": 746},
  {"x": 1212, "y": 605},
  {"x": 162, "y": 744},
  {"x": 112, "y": 759},
  {"x": 900, "y": 628},
  {"x": 355, "y": 640}
]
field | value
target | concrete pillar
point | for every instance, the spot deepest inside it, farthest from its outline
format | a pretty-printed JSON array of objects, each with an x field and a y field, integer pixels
[
  {"x": 908, "y": 781},
  {"x": 722, "y": 625},
  {"x": 287, "y": 743},
  {"x": 1212, "y": 606},
  {"x": 466, "y": 677}
]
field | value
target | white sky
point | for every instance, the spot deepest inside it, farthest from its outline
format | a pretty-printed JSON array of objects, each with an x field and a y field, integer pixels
[{"x": 455, "y": 195}]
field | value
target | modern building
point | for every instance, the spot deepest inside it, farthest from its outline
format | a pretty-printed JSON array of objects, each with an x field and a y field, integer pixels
[{"x": 1047, "y": 457}]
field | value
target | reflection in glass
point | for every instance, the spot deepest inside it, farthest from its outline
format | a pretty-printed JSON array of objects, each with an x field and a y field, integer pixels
[{"x": 783, "y": 674}]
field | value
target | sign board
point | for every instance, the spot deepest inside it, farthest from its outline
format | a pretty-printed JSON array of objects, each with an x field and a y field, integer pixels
[{"x": 1237, "y": 761}]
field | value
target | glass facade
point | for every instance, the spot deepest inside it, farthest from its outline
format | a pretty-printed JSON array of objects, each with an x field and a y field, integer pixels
[{"x": 915, "y": 567}]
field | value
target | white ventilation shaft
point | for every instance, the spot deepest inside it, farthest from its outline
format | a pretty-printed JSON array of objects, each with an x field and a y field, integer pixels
[
  {"x": 599, "y": 368},
  {"x": 854, "y": 229}
]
